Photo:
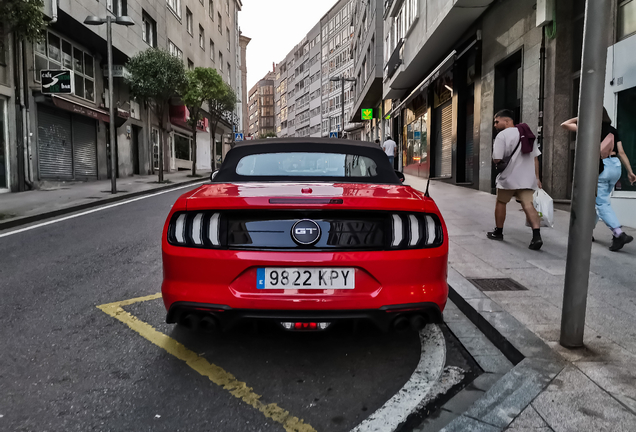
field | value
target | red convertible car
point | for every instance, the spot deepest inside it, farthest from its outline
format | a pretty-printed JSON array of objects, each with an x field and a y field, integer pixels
[{"x": 305, "y": 232}]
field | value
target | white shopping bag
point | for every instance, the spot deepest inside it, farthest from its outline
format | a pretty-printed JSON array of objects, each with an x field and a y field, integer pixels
[{"x": 545, "y": 207}]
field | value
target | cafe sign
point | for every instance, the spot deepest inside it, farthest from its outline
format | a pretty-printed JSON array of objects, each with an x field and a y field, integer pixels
[{"x": 57, "y": 81}]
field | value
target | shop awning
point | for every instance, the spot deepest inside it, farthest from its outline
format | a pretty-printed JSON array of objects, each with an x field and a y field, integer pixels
[
  {"x": 81, "y": 109},
  {"x": 442, "y": 67},
  {"x": 179, "y": 115}
]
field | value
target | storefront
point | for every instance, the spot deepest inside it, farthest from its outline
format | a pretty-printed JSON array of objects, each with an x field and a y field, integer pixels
[
  {"x": 67, "y": 140},
  {"x": 181, "y": 141},
  {"x": 620, "y": 101},
  {"x": 415, "y": 160}
]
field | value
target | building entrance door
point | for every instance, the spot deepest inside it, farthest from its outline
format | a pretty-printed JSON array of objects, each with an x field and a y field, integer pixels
[{"x": 627, "y": 132}]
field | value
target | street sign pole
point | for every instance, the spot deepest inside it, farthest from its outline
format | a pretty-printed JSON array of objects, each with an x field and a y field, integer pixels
[{"x": 582, "y": 216}]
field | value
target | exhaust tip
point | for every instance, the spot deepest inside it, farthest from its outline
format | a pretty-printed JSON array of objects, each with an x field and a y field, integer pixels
[
  {"x": 418, "y": 322},
  {"x": 209, "y": 324},
  {"x": 400, "y": 324},
  {"x": 190, "y": 321}
]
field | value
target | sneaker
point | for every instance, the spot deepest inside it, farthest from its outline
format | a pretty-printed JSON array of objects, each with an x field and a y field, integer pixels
[
  {"x": 495, "y": 235},
  {"x": 620, "y": 241},
  {"x": 536, "y": 244}
]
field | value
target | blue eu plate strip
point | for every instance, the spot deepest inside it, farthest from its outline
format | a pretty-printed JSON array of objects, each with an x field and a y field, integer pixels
[{"x": 260, "y": 278}]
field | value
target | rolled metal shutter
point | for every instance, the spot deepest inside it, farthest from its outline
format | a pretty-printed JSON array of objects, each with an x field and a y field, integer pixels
[
  {"x": 447, "y": 140},
  {"x": 55, "y": 146},
  {"x": 84, "y": 147}
]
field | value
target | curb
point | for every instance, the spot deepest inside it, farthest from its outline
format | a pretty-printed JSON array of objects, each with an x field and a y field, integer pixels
[
  {"x": 535, "y": 364},
  {"x": 16, "y": 222}
]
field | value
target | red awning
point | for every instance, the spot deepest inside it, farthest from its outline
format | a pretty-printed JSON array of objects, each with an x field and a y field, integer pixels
[
  {"x": 77, "y": 108},
  {"x": 179, "y": 115}
]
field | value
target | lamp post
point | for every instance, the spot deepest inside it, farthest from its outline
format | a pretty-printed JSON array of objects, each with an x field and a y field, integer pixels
[
  {"x": 125, "y": 21},
  {"x": 342, "y": 80}
]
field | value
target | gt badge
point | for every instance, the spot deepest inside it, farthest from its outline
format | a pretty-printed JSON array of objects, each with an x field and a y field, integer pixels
[{"x": 305, "y": 232}]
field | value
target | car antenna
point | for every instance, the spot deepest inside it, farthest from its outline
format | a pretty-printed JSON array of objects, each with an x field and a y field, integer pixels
[{"x": 426, "y": 194}]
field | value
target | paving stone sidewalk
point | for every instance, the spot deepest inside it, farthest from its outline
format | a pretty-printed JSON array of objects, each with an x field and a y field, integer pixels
[
  {"x": 597, "y": 390},
  {"x": 56, "y": 196}
]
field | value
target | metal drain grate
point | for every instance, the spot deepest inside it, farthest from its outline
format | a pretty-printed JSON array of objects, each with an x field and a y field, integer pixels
[{"x": 498, "y": 285}]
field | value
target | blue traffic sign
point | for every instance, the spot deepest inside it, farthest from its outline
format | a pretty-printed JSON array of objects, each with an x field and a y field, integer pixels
[
  {"x": 333, "y": 134},
  {"x": 238, "y": 137}
]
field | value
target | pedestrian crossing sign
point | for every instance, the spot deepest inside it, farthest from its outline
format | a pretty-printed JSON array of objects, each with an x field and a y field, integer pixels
[
  {"x": 333, "y": 134},
  {"x": 238, "y": 137}
]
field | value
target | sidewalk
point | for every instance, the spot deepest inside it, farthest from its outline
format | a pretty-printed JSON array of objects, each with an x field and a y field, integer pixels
[
  {"x": 64, "y": 197},
  {"x": 596, "y": 391}
]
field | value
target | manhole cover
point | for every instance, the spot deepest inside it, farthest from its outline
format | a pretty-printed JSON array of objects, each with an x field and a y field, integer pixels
[{"x": 505, "y": 284}]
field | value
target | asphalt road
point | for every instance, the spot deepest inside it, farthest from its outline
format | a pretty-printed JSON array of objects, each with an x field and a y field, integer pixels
[{"x": 65, "y": 365}]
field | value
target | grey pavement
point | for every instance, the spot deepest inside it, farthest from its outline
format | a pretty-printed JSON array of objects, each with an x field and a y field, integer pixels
[
  {"x": 596, "y": 389},
  {"x": 56, "y": 196}
]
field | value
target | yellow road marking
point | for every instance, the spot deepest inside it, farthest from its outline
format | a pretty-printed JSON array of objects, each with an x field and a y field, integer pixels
[{"x": 215, "y": 373}]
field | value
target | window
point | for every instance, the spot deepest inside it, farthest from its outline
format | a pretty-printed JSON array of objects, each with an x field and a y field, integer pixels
[
  {"x": 212, "y": 50},
  {"x": 148, "y": 30},
  {"x": 54, "y": 52},
  {"x": 173, "y": 50},
  {"x": 117, "y": 7},
  {"x": 626, "y": 19},
  {"x": 218, "y": 16},
  {"x": 229, "y": 74},
  {"x": 227, "y": 33},
  {"x": 190, "y": 64},
  {"x": 189, "y": 21},
  {"x": 201, "y": 38},
  {"x": 221, "y": 61},
  {"x": 175, "y": 7},
  {"x": 305, "y": 164},
  {"x": 211, "y": 9},
  {"x": 3, "y": 49},
  {"x": 227, "y": 5}
]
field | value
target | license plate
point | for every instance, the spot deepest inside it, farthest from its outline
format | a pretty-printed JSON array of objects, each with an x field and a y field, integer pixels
[{"x": 305, "y": 278}]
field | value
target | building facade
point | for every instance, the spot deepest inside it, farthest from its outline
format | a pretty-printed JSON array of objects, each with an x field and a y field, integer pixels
[
  {"x": 51, "y": 138},
  {"x": 261, "y": 108},
  {"x": 307, "y": 101}
]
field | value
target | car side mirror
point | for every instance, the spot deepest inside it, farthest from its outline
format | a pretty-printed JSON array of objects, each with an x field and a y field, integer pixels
[
  {"x": 213, "y": 175},
  {"x": 400, "y": 176}
]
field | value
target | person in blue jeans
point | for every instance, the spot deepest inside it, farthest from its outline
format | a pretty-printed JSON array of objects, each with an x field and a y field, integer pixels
[{"x": 610, "y": 173}]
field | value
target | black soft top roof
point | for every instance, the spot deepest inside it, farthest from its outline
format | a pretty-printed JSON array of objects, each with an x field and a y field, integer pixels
[{"x": 227, "y": 173}]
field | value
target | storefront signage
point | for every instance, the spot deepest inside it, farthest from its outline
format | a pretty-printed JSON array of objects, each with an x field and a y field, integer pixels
[
  {"x": 57, "y": 82},
  {"x": 367, "y": 114},
  {"x": 119, "y": 71}
]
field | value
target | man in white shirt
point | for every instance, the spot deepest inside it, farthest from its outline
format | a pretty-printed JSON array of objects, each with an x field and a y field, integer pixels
[
  {"x": 520, "y": 178},
  {"x": 390, "y": 148}
]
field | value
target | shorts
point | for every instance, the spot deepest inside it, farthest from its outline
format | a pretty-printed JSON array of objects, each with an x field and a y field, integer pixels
[{"x": 523, "y": 195}]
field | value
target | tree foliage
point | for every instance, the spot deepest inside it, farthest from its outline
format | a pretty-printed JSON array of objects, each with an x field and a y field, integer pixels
[
  {"x": 155, "y": 75},
  {"x": 200, "y": 85},
  {"x": 219, "y": 106},
  {"x": 23, "y": 18},
  {"x": 267, "y": 135}
]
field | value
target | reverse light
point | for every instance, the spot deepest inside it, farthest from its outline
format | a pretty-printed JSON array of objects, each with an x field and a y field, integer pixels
[{"x": 305, "y": 326}]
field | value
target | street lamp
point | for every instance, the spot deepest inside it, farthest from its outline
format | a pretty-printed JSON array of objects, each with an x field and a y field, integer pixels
[
  {"x": 125, "y": 21},
  {"x": 342, "y": 80}
]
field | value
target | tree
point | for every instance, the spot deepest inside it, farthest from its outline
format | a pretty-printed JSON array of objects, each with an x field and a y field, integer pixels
[
  {"x": 156, "y": 77},
  {"x": 23, "y": 18},
  {"x": 267, "y": 135},
  {"x": 220, "y": 106},
  {"x": 201, "y": 85}
]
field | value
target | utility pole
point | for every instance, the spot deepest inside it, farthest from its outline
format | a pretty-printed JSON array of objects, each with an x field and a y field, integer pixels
[
  {"x": 342, "y": 80},
  {"x": 582, "y": 216}
]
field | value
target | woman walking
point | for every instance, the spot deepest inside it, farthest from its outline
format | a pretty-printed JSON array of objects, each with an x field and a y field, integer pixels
[{"x": 610, "y": 173}]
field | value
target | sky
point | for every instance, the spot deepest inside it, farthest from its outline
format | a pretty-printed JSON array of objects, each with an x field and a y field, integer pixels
[{"x": 275, "y": 27}]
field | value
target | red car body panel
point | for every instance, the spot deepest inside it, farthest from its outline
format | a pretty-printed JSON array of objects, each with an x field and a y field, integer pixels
[{"x": 228, "y": 277}]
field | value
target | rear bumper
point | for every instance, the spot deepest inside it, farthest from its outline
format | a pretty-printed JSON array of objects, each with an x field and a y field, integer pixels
[{"x": 383, "y": 318}]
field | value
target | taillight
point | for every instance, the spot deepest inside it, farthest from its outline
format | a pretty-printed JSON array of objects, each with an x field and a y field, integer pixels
[
  {"x": 195, "y": 229},
  {"x": 416, "y": 231}
]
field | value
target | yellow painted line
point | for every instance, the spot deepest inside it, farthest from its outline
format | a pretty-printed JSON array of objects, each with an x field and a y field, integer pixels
[{"x": 215, "y": 373}]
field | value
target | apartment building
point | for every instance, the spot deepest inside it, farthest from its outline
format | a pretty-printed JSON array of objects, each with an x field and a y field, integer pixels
[
  {"x": 65, "y": 137},
  {"x": 367, "y": 51},
  {"x": 307, "y": 102},
  {"x": 261, "y": 107}
]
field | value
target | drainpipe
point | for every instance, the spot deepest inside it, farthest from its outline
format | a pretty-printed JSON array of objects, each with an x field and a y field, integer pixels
[
  {"x": 54, "y": 12},
  {"x": 19, "y": 103},
  {"x": 541, "y": 99},
  {"x": 26, "y": 119}
]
